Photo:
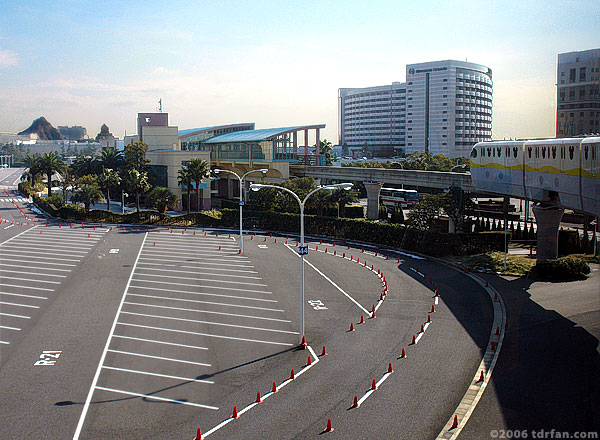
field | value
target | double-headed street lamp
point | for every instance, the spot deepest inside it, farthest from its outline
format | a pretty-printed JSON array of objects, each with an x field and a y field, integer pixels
[
  {"x": 241, "y": 179},
  {"x": 303, "y": 250}
]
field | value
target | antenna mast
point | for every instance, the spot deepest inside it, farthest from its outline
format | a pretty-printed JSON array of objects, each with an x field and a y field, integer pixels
[{"x": 160, "y": 105}]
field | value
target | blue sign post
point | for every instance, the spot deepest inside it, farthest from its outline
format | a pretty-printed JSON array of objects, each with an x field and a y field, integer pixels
[{"x": 303, "y": 250}]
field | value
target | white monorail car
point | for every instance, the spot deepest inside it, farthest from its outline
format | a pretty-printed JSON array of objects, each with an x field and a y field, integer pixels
[{"x": 541, "y": 170}]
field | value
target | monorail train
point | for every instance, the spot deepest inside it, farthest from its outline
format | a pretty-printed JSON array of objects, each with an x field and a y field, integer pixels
[{"x": 566, "y": 170}]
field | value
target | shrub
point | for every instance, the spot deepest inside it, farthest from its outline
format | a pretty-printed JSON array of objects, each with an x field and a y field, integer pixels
[
  {"x": 397, "y": 216},
  {"x": 353, "y": 212},
  {"x": 55, "y": 200},
  {"x": 561, "y": 269}
]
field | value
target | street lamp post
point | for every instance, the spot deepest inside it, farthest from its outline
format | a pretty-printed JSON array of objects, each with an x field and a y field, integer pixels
[
  {"x": 302, "y": 250},
  {"x": 241, "y": 203},
  {"x": 123, "y": 195}
]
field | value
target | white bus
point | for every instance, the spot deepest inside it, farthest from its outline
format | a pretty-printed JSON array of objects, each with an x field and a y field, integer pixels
[{"x": 398, "y": 198}]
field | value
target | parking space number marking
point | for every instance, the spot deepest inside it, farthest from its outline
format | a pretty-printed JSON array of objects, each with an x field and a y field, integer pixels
[{"x": 48, "y": 358}]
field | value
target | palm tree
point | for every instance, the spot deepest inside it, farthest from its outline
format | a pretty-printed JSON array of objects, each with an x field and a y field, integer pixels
[
  {"x": 50, "y": 163},
  {"x": 32, "y": 161},
  {"x": 160, "y": 198},
  {"x": 183, "y": 178},
  {"x": 85, "y": 165},
  {"x": 87, "y": 194},
  {"x": 199, "y": 169},
  {"x": 68, "y": 180},
  {"x": 137, "y": 182},
  {"x": 109, "y": 178},
  {"x": 111, "y": 158}
]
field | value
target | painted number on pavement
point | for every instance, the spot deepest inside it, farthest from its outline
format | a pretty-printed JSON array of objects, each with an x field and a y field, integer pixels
[
  {"x": 113, "y": 251},
  {"x": 317, "y": 304},
  {"x": 262, "y": 246},
  {"x": 48, "y": 357}
]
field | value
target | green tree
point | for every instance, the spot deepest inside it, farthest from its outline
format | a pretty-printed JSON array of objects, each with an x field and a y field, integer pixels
[
  {"x": 67, "y": 181},
  {"x": 423, "y": 213},
  {"x": 85, "y": 165},
  {"x": 88, "y": 191},
  {"x": 457, "y": 205},
  {"x": 111, "y": 158},
  {"x": 199, "y": 170},
  {"x": 325, "y": 149},
  {"x": 184, "y": 179},
  {"x": 160, "y": 198},
  {"x": 50, "y": 163},
  {"x": 109, "y": 179},
  {"x": 397, "y": 216},
  {"x": 32, "y": 162},
  {"x": 134, "y": 157},
  {"x": 342, "y": 197},
  {"x": 137, "y": 182}
]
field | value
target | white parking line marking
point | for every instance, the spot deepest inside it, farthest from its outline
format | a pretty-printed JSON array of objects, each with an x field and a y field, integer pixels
[
  {"x": 19, "y": 305},
  {"x": 206, "y": 302},
  {"x": 23, "y": 295},
  {"x": 368, "y": 393},
  {"x": 36, "y": 267},
  {"x": 30, "y": 280},
  {"x": 42, "y": 262},
  {"x": 211, "y": 323},
  {"x": 160, "y": 342},
  {"x": 201, "y": 286},
  {"x": 28, "y": 287},
  {"x": 168, "y": 376},
  {"x": 32, "y": 273},
  {"x": 198, "y": 267},
  {"x": 418, "y": 338},
  {"x": 54, "y": 249},
  {"x": 201, "y": 273},
  {"x": 159, "y": 357},
  {"x": 208, "y": 311},
  {"x": 8, "y": 227},
  {"x": 54, "y": 242},
  {"x": 112, "y": 330},
  {"x": 200, "y": 247},
  {"x": 9, "y": 328},
  {"x": 206, "y": 334},
  {"x": 201, "y": 279},
  {"x": 201, "y": 261},
  {"x": 15, "y": 316},
  {"x": 18, "y": 235},
  {"x": 4, "y": 342},
  {"x": 26, "y": 254},
  {"x": 162, "y": 399},
  {"x": 218, "y": 295}
]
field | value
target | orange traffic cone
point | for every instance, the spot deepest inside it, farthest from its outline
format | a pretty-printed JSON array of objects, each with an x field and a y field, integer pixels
[
  {"x": 355, "y": 403},
  {"x": 235, "y": 414},
  {"x": 455, "y": 422},
  {"x": 351, "y": 327},
  {"x": 374, "y": 385},
  {"x": 403, "y": 354},
  {"x": 329, "y": 427},
  {"x": 258, "y": 399},
  {"x": 323, "y": 353},
  {"x": 390, "y": 368},
  {"x": 199, "y": 435}
]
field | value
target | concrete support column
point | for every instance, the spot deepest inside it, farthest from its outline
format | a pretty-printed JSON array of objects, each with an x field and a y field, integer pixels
[
  {"x": 296, "y": 142},
  {"x": 373, "y": 189},
  {"x": 548, "y": 222},
  {"x": 306, "y": 147},
  {"x": 317, "y": 147},
  {"x": 230, "y": 184}
]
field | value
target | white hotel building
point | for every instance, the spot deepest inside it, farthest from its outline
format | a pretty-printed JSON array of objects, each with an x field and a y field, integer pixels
[{"x": 444, "y": 107}]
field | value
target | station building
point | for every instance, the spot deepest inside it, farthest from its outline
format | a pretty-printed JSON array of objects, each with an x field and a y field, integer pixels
[{"x": 234, "y": 147}]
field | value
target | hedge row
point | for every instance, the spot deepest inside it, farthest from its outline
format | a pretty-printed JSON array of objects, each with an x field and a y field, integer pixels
[{"x": 388, "y": 235}]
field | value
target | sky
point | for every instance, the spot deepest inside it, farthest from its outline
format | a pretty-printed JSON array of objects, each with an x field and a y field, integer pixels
[{"x": 275, "y": 63}]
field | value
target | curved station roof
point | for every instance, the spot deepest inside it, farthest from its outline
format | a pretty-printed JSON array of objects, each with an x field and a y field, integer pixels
[{"x": 259, "y": 135}]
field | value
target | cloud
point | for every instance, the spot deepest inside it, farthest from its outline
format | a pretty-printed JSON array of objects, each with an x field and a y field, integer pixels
[
  {"x": 164, "y": 71},
  {"x": 8, "y": 58}
]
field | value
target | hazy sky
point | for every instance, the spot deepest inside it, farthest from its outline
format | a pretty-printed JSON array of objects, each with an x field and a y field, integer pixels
[{"x": 276, "y": 63}]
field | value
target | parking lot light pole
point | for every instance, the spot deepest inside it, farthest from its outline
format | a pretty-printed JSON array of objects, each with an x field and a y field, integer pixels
[
  {"x": 241, "y": 179},
  {"x": 302, "y": 250}
]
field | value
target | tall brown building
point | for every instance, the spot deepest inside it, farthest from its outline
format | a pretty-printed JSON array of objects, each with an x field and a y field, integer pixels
[{"x": 578, "y": 93}]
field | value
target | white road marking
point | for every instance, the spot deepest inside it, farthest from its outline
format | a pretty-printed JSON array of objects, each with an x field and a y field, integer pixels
[
  {"x": 418, "y": 338},
  {"x": 208, "y": 311},
  {"x": 160, "y": 342},
  {"x": 436, "y": 300},
  {"x": 211, "y": 323},
  {"x": 198, "y": 267},
  {"x": 28, "y": 287},
  {"x": 55, "y": 240},
  {"x": 148, "y": 373},
  {"x": 99, "y": 368},
  {"x": 9, "y": 328},
  {"x": 201, "y": 286},
  {"x": 199, "y": 247},
  {"x": 4, "y": 342},
  {"x": 26, "y": 254},
  {"x": 32, "y": 273},
  {"x": 201, "y": 261},
  {"x": 40, "y": 262},
  {"x": 9, "y": 226},
  {"x": 331, "y": 281},
  {"x": 206, "y": 334},
  {"x": 29, "y": 267},
  {"x": 56, "y": 250},
  {"x": 201, "y": 273},
  {"x": 23, "y": 295},
  {"x": 218, "y": 295},
  {"x": 18, "y": 235},
  {"x": 206, "y": 302},
  {"x": 19, "y": 305},
  {"x": 201, "y": 279},
  {"x": 159, "y": 357},
  {"x": 30, "y": 280},
  {"x": 162, "y": 399},
  {"x": 378, "y": 384},
  {"x": 15, "y": 316}
]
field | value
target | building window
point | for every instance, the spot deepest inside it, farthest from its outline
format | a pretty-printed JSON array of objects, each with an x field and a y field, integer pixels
[
  {"x": 562, "y": 96},
  {"x": 581, "y": 74},
  {"x": 572, "y": 73},
  {"x": 445, "y": 80},
  {"x": 581, "y": 92},
  {"x": 571, "y": 94}
]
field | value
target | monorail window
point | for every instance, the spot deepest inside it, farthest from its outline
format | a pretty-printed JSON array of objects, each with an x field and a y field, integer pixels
[
  {"x": 537, "y": 152},
  {"x": 529, "y": 151},
  {"x": 594, "y": 151},
  {"x": 474, "y": 153}
]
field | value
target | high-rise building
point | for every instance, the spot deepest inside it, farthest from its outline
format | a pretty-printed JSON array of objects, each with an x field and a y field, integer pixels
[
  {"x": 578, "y": 93},
  {"x": 444, "y": 107}
]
